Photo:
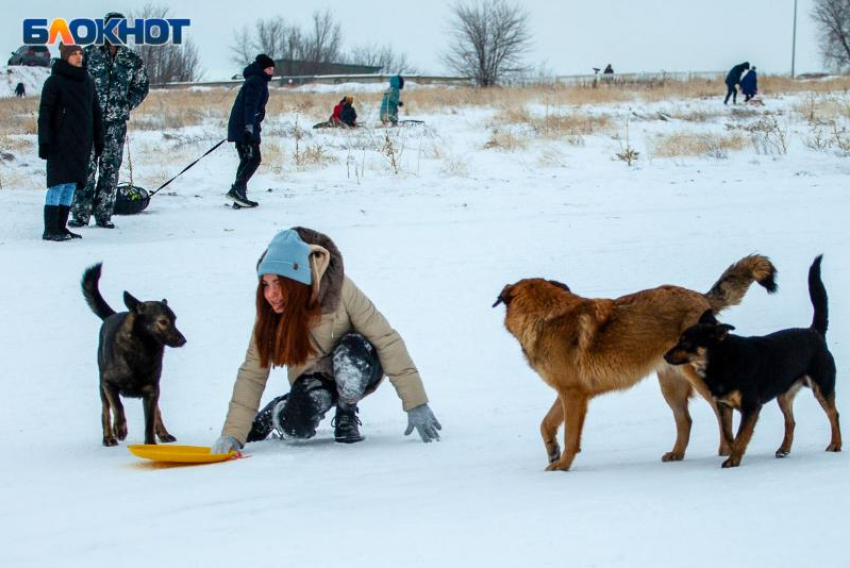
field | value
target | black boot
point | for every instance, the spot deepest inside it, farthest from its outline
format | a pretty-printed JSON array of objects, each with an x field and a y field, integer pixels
[
  {"x": 346, "y": 424},
  {"x": 64, "y": 210},
  {"x": 263, "y": 424},
  {"x": 239, "y": 197},
  {"x": 51, "y": 222}
]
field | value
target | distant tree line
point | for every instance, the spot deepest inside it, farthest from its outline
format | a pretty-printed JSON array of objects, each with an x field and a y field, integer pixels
[
  {"x": 488, "y": 41},
  {"x": 167, "y": 63},
  {"x": 319, "y": 42}
]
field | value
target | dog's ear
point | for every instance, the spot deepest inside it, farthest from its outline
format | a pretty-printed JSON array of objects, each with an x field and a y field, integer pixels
[
  {"x": 164, "y": 301},
  {"x": 708, "y": 317},
  {"x": 131, "y": 302},
  {"x": 560, "y": 285},
  {"x": 504, "y": 296},
  {"x": 723, "y": 330}
]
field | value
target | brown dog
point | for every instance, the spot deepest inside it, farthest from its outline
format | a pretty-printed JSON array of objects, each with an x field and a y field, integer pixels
[
  {"x": 129, "y": 358},
  {"x": 585, "y": 347}
]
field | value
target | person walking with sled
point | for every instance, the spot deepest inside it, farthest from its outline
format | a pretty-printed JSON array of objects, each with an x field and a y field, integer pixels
[
  {"x": 244, "y": 126},
  {"x": 749, "y": 84},
  {"x": 336, "y": 344},
  {"x": 390, "y": 102},
  {"x": 69, "y": 127},
  {"x": 121, "y": 79},
  {"x": 733, "y": 79},
  {"x": 20, "y": 91}
]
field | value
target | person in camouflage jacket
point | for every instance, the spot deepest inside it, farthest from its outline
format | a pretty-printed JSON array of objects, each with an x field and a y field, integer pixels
[{"x": 121, "y": 79}]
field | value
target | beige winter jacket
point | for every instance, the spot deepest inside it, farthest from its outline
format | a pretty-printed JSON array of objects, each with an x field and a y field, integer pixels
[{"x": 345, "y": 309}]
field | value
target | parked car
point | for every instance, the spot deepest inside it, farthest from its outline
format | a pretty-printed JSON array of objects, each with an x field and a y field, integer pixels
[{"x": 31, "y": 55}]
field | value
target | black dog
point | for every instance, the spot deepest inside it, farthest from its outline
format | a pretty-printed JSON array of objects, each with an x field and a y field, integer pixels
[
  {"x": 129, "y": 358},
  {"x": 746, "y": 372}
]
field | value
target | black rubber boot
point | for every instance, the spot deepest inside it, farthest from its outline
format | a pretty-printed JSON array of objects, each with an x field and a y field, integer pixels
[
  {"x": 64, "y": 211},
  {"x": 51, "y": 225},
  {"x": 346, "y": 424}
]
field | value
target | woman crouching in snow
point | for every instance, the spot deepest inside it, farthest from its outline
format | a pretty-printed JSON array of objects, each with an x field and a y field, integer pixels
[{"x": 336, "y": 344}]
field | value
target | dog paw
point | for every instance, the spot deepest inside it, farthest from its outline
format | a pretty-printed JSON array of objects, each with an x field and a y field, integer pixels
[
  {"x": 168, "y": 438},
  {"x": 560, "y": 465},
  {"x": 833, "y": 448},
  {"x": 673, "y": 457},
  {"x": 731, "y": 462},
  {"x": 120, "y": 432},
  {"x": 109, "y": 441},
  {"x": 780, "y": 453},
  {"x": 724, "y": 451}
]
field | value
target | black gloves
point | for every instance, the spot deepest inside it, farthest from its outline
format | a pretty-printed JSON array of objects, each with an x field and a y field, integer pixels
[{"x": 248, "y": 135}]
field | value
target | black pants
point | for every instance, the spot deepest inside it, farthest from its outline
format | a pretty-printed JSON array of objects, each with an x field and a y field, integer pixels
[
  {"x": 249, "y": 161},
  {"x": 357, "y": 373},
  {"x": 731, "y": 91}
]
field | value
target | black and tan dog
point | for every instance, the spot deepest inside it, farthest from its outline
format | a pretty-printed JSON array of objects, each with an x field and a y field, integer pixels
[
  {"x": 129, "y": 358},
  {"x": 585, "y": 347},
  {"x": 747, "y": 372}
]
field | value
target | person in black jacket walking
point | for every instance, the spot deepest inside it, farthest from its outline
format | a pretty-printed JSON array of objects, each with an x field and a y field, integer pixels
[
  {"x": 733, "y": 79},
  {"x": 243, "y": 128},
  {"x": 69, "y": 124}
]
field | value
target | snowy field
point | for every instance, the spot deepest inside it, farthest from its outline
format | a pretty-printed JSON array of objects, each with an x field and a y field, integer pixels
[{"x": 432, "y": 244}]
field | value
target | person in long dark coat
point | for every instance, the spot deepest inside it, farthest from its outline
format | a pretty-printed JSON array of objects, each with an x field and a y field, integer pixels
[
  {"x": 69, "y": 124},
  {"x": 750, "y": 84},
  {"x": 244, "y": 126},
  {"x": 733, "y": 79}
]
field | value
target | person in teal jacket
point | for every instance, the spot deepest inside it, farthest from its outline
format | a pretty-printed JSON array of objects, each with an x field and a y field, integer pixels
[{"x": 390, "y": 101}]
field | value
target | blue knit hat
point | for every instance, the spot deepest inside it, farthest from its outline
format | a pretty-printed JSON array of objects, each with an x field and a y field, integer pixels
[{"x": 287, "y": 256}]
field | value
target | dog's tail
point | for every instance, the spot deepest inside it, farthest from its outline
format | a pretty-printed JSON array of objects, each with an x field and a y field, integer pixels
[
  {"x": 817, "y": 292},
  {"x": 92, "y": 294},
  {"x": 730, "y": 288}
]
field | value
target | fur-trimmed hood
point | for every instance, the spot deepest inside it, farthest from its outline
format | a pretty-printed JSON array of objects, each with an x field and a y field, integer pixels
[{"x": 328, "y": 267}]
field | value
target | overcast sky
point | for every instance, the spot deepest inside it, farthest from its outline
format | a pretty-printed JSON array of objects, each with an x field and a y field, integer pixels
[{"x": 570, "y": 36}]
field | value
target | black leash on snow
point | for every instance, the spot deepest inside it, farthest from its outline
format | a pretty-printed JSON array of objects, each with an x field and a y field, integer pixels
[{"x": 187, "y": 168}]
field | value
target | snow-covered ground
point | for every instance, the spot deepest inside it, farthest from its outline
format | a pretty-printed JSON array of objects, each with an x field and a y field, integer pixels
[{"x": 432, "y": 246}]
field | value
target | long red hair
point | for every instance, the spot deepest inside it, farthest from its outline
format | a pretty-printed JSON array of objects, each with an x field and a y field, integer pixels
[{"x": 284, "y": 339}]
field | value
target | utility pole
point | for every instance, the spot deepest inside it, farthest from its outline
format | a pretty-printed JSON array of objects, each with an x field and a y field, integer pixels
[{"x": 794, "y": 41}]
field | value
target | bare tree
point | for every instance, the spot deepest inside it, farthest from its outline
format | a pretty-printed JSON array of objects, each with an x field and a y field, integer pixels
[
  {"x": 324, "y": 39},
  {"x": 489, "y": 38},
  {"x": 833, "y": 20},
  {"x": 168, "y": 63},
  {"x": 320, "y": 43},
  {"x": 383, "y": 56},
  {"x": 272, "y": 36}
]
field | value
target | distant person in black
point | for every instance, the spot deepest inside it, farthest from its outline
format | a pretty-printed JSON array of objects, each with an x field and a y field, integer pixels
[
  {"x": 608, "y": 70},
  {"x": 733, "y": 79},
  {"x": 20, "y": 91},
  {"x": 750, "y": 84}
]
